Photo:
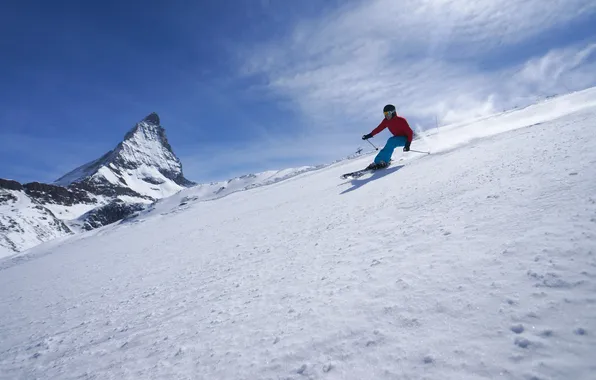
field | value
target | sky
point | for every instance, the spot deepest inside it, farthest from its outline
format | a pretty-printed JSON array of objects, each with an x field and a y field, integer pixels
[{"x": 244, "y": 86}]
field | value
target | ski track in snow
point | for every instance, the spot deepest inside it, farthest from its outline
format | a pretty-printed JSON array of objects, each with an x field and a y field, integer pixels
[{"x": 475, "y": 263}]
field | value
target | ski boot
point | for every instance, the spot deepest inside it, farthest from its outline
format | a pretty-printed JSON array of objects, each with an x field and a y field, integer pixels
[{"x": 379, "y": 165}]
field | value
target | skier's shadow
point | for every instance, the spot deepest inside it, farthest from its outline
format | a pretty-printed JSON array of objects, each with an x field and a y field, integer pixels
[{"x": 359, "y": 182}]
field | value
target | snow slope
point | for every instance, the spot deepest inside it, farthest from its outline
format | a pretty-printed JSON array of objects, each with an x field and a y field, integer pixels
[
  {"x": 216, "y": 190},
  {"x": 25, "y": 223},
  {"x": 5, "y": 251},
  {"x": 477, "y": 262}
]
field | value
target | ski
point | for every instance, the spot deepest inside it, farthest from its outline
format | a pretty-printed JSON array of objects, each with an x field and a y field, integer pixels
[
  {"x": 357, "y": 173},
  {"x": 361, "y": 172}
]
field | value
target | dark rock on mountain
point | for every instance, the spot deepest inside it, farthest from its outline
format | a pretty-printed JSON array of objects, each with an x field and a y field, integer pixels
[
  {"x": 106, "y": 189},
  {"x": 5, "y": 197},
  {"x": 110, "y": 213},
  {"x": 152, "y": 118},
  {"x": 45, "y": 193},
  {"x": 10, "y": 185}
]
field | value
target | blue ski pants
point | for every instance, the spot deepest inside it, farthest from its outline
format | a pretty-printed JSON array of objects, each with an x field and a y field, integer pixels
[{"x": 387, "y": 151}]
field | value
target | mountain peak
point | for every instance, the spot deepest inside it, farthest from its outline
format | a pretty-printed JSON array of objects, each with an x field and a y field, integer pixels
[
  {"x": 148, "y": 131},
  {"x": 143, "y": 162},
  {"x": 152, "y": 118}
]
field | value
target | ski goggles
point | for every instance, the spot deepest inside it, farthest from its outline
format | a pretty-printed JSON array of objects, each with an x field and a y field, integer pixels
[{"x": 388, "y": 113}]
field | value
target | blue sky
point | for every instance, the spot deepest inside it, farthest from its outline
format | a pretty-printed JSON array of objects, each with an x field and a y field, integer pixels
[{"x": 250, "y": 85}]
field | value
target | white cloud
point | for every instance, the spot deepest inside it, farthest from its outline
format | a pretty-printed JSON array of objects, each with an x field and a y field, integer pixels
[
  {"x": 552, "y": 67},
  {"x": 420, "y": 54}
]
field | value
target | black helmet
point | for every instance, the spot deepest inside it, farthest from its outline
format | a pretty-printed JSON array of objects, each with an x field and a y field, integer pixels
[{"x": 389, "y": 108}]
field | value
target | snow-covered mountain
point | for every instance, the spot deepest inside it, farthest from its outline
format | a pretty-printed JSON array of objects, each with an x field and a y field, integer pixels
[
  {"x": 140, "y": 170},
  {"x": 475, "y": 262},
  {"x": 143, "y": 165}
]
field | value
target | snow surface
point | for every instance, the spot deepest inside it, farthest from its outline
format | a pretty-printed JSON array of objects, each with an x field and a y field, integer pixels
[
  {"x": 67, "y": 213},
  {"x": 145, "y": 146},
  {"x": 129, "y": 199},
  {"x": 217, "y": 190},
  {"x": 476, "y": 262},
  {"x": 25, "y": 224},
  {"x": 81, "y": 172},
  {"x": 5, "y": 251},
  {"x": 32, "y": 223},
  {"x": 134, "y": 180}
]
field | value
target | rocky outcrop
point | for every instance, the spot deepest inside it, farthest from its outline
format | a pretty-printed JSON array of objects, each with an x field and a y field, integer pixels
[
  {"x": 105, "y": 188},
  {"x": 10, "y": 185},
  {"x": 110, "y": 213},
  {"x": 45, "y": 193}
]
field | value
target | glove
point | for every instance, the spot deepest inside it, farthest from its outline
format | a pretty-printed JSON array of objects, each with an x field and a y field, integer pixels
[
  {"x": 407, "y": 147},
  {"x": 366, "y": 137}
]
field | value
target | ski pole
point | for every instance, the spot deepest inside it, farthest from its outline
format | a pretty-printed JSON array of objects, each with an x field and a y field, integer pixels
[{"x": 372, "y": 145}]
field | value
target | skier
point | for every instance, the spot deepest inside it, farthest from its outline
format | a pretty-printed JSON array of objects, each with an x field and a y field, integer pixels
[{"x": 402, "y": 136}]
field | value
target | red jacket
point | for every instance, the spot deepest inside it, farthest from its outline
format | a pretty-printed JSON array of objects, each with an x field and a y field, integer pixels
[{"x": 397, "y": 125}]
